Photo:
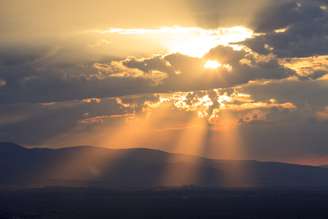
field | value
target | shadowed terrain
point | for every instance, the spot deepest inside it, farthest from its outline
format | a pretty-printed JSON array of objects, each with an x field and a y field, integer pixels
[{"x": 193, "y": 203}]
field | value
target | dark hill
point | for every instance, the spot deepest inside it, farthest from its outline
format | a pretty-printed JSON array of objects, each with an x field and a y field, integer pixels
[{"x": 143, "y": 168}]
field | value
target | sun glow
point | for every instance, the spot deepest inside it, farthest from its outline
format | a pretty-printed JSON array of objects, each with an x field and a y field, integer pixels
[
  {"x": 212, "y": 64},
  {"x": 191, "y": 41}
]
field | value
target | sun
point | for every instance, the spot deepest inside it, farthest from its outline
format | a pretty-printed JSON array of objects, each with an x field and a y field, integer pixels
[{"x": 212, "y": 64}]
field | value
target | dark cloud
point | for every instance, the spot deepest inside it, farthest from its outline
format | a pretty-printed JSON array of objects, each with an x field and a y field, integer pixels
[
  {"x": 306, "y": 24},
  {"x": 291, "y": 138},
  {"x": 48, "y": 74},
  {"x": 281, "y": 14},
  {"x": 150, "y": 64},
  {"x": 47, "y": 88},
  {"x": 40, "y": 76},
  {"x": 307, "y": 93},
  {"x": 18, "y": 121},
  {"x": 188, "y": 73}
]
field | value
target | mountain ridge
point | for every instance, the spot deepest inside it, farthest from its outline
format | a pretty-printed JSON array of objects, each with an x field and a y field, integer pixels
[
  {"x": 144, "y": 149},
  {"x": 141, "y": 167}
]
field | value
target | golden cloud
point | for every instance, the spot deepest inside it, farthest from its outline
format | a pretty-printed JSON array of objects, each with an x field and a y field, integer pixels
[
  {"x": 307, "y": 66},
  {"x": 209, "y": 104}
]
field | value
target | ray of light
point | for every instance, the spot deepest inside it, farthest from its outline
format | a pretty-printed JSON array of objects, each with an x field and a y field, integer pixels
[
  {"x": 70, "y": 169},
  {"x": 227, "y": 142},
  {"x": 132, "y": 133},
  {"x": 185, "y": 171},
  {"x": 198, "y": 138},
  {"x": 135, "y": 132}
]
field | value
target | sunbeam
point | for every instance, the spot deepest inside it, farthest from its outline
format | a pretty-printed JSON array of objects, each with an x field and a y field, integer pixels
[
  {"x": 185, "y": 171},
  {"x": 228, "y": 144}
]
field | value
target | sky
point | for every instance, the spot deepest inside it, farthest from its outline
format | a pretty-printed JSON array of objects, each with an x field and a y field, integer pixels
[{"x": 239, "y": 79}]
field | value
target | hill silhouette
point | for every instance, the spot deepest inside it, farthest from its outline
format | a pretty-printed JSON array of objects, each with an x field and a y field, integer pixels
[{"x": 143, "y": 168}]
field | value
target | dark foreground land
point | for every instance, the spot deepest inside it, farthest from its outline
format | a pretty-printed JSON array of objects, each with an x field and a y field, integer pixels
[{"x": 161, "y": 203}]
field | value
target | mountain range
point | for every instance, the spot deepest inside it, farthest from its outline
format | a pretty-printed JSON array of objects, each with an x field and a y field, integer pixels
[{"x": 144, "y": 168}]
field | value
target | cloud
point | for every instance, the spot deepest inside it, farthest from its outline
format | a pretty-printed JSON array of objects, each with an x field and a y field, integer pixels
[
  {"x": 96, "y": 120},
  {"x": 310, "y": 94},
  {"x": 309, "y": 67},
  {"x": 188, "y": 73},
  {"x": 57, "y": 118},
  {"x": 33, "y": 72},
  {"x": 52, "y": 119},
  {"x": 281, "y": 14},
  {"x": 149, "y": 64},
  {"x": 117, "y": 69},
  {"x": 303, "y": 36},
  {"x": 211, "y": 104}
]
